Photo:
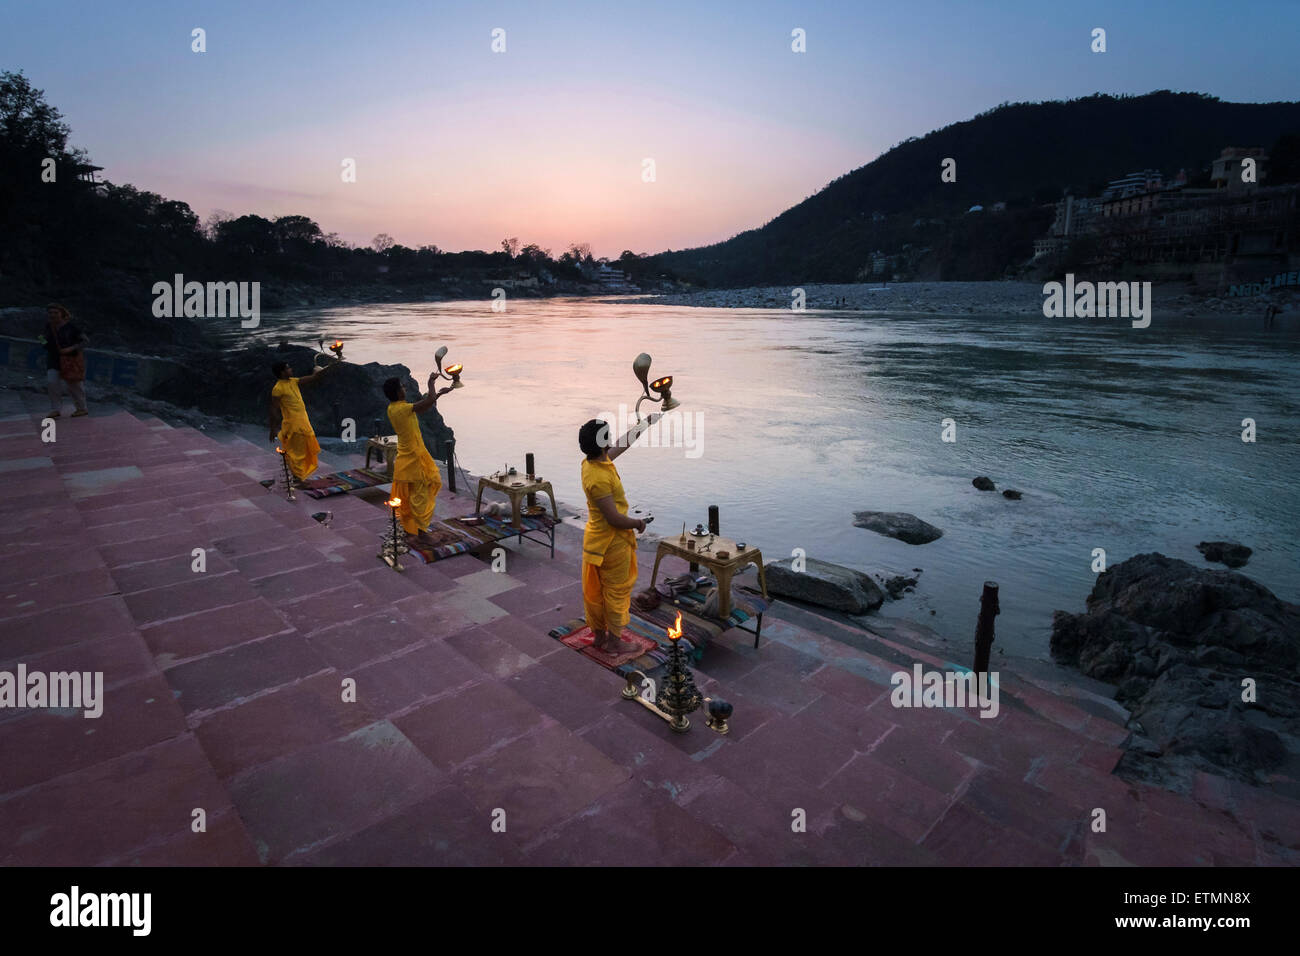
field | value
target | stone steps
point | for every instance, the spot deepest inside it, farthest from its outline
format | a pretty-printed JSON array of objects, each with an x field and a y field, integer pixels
[{"x": 226, "y": 690}]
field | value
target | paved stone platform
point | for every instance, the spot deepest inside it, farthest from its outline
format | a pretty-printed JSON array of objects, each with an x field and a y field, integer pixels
[{"x": 225, "y": 692}]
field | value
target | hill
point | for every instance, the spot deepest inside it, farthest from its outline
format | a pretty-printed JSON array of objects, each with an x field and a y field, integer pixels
[{"x": 1025, "y": 155}]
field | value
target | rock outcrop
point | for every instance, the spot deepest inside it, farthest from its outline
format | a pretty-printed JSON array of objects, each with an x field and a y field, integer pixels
[
  {"x": 1225, "y": 552},
  {"x": 824, "y": 584},
  {"x": 897, "y": 524},
  {"x": 1207, "y": 661},
  {"x": 237, "y": 384}
]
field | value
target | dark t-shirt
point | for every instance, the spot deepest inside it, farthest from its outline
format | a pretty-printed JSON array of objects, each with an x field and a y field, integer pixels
[{"x": 68, "y": 334}]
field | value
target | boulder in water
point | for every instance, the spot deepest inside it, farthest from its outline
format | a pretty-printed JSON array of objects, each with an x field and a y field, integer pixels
[
  {"x": 1225, "y": 552},
  {"x": 897, "y": 524},
  {"x": 824, "y": 584},
  {"x": 984, "y": 484}
]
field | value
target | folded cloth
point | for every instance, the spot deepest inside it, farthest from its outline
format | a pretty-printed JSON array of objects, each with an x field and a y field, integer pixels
[{"x": 646, "y": 600}]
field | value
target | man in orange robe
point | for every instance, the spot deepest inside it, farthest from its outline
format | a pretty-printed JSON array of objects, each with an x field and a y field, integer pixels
[
  {"x": 416, "y": 479},
  {"x": 296, "y": 435}
]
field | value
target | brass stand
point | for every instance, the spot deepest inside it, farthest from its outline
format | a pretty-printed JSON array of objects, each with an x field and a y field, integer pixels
[
  {"x": 394, "y": 542},
  {"x": 288, "y": 476}
]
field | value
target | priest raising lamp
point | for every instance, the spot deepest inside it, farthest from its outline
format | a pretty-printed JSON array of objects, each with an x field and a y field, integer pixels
[{"x": 661, "y": 386}]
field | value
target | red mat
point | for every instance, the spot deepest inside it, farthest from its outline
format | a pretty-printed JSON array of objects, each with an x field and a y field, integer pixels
[{"x": 581, "y": 640}]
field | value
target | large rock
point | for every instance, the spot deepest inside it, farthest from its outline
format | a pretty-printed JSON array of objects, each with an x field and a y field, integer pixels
[
  {"x": 1179, "y": 641},
  {"x": 237, "y": 383},
  {"x": 824, "y": 584},
  {"x": 897, "y": 524},
  {"x": 1225, "y": 552},
  {"x": 984, "y": 483}
]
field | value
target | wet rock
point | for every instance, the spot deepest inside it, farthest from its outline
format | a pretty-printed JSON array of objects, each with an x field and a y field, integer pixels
[
  {"x": 824, "y": 584},
  {"x": 897, "y": 585},
  {"x": 1179, "y": 641},
  {"x": 1225, "y": 552},
  {"x": 897, "y": 524},
  {"x": 1012, "y": 494},
  {"x": 984, "y": 484}
]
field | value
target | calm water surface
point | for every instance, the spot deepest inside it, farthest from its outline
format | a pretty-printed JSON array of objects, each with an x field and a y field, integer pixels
[{"x": 1119, "y": 438}]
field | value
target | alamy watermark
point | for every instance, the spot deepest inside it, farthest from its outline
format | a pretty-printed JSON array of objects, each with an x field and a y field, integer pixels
[
  {"x": 945, "y": 689},
  {"x": 1100, "y": 300},
  {"x": 215, "y": 300},
  {"x": 70, "y": 690},
  {"x": 671, "y": 429}
]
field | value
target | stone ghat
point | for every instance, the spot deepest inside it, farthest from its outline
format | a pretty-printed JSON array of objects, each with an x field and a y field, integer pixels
[{"x": 223, "y": 693}]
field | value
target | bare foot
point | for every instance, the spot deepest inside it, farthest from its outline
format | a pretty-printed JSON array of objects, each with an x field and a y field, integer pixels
[{"x": 616, "y": 645}]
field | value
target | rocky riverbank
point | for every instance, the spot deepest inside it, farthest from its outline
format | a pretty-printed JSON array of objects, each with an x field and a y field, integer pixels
[
  {"x": 220, "y": 383},
  {"x": 1207, "y": 661}
]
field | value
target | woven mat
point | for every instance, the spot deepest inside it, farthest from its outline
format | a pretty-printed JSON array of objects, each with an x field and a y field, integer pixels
[
  {"x": 340, "y": 483},
  {"x": 581, "y": 640},
  {"x": 440, "y": 542},
  {"x": 638, "y": 627},
  {"x": 453, "y": 536}
]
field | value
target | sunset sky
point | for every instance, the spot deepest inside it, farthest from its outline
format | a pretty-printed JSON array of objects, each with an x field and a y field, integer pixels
[{"x": 459, "y": 146}]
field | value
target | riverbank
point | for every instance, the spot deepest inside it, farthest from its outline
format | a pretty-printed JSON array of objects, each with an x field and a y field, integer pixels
[
  {"x": 962, "y": 298},
  {"x": 222, "y": 692}
]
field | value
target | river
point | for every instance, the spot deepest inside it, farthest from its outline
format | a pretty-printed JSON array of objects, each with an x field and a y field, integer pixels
[{"x": 1127, "y": 440}]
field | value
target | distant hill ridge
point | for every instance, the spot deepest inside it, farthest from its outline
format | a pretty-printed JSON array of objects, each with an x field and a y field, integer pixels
[{"x": 1023, "y": 154}]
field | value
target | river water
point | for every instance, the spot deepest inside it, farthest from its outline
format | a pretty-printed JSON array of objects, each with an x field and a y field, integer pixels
[{"x": 1123, "y": 439}]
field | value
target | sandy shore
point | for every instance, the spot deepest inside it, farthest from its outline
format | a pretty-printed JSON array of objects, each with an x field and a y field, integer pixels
[{"x": 957, "y": 298}]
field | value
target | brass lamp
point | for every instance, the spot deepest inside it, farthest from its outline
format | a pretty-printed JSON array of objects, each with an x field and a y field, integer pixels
[
  {"x": 336, "y": 347},
  {"x": 661, "y": 386},
  {"x": 451, "y": 372}
]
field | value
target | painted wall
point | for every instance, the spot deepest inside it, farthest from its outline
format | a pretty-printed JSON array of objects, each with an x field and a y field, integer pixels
[{"x": 140, "y": 373}]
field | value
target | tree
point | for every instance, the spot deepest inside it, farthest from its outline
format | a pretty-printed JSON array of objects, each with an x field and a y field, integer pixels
[
  {"x": 212, "y": 225},
  {"x": 297, "y": 229},
  {"x": 510, "y": 246},
  {"x": 382, "y": 243},
  {"x": 30, "y": 125}
]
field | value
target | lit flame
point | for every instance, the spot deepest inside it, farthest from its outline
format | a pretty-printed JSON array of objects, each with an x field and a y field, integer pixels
[
  {"x": 675, "y": 631},
  {"x": 455, "y": 369},
  {"x": 393, "y": 502},
  {"x": 279, "y": 450}
]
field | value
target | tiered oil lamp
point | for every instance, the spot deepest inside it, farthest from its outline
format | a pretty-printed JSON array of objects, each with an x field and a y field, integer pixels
[
  {"x": 394, "y": 542},
  {"x": 680, "y": 696},
  {"x": 288, "y": 477}
]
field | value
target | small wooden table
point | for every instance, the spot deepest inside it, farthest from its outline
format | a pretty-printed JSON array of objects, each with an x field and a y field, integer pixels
[
  {"x": 707, "y": 552},
  {"x": 385, "y": 448},
  {"x": 516, "y": 488}
]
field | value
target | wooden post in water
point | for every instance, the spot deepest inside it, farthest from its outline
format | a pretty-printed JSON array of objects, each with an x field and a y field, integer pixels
[
  {"x": 984, "y": 629},
  {"x": 714, "y": 527},
  {"x": 530, "y": 471},
  {"x": 451, "y": 465}
]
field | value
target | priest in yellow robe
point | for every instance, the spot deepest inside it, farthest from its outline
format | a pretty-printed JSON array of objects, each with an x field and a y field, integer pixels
[
  {"x": 295, "y": 434},
  {"x": 416, "y": 479}
]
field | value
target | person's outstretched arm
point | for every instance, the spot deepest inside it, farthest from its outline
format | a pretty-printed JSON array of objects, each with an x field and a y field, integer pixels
[
  {"x": 632, "y": 435},
  {"x": 431, "y": 397}
]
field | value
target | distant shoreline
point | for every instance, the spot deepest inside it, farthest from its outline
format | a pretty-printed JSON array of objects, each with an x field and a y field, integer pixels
[{"x": 963, "y": 298}]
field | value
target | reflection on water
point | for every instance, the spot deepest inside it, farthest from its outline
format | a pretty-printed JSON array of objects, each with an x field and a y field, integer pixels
[{"x": 1119, "y": 438}]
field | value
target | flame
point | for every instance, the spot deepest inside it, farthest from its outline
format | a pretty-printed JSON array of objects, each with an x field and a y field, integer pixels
[
  {"x": 675, "y": 631},
  {"x": 393, "y": 502},
  {"x": 279, "y": 450}
]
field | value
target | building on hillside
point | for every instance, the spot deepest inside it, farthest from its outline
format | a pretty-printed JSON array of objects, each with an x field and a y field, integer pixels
[
  {"x": 1148, "y": 180},
  {"x": 1226, "y": 171},
  {"x": 613, "y": 280}
]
